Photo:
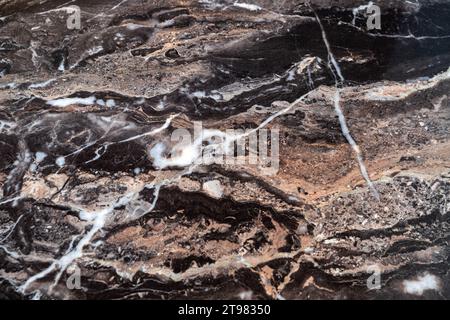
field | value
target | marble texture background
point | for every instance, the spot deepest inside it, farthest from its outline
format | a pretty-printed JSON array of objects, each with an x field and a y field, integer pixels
[{"x": 81, "y": 111}]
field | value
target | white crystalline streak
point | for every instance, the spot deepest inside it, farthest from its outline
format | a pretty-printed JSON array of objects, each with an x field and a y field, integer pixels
[
  {"x": 61, "y": 161},
  {"x": 291, "y": 75},
  {"x": 41, "y": 84},
  {"x": 211, "y": 4},
  {"x": 11, "y": 85},
  {"x": 274, "y": 116},
  {"x": 423, "y": 283},
  {"x": 338, "y": 110},
  {"x": 153, "y": 132},
  {"x": 20, "y": 165},
  {"x": 99, "y": 152},
  {"x": 7, "y": 125},
  {"x": 118, "y": 5},
  {"x": 103, "y": 148},
  {"x": 61, "y": 65},
  {"x": 11, "y": 200},
  {"x": 13, "y": 254},
  {"x": 98, "y": 221},
  {"x": 87, "y": 54},
  {"x": 37, "y": 296},
  {"x": 34, "y": 55},
  {"x": 134, "y": 26},
  {"x": 11, "y": 229},
  {"x": 60, "y": 9},
  {"x": 199, "y": 94},
  {"x": 202, "y": 94},
  {"x": 40, "y": 156},
  {"x": 185, "y": 157},
  {"x": 110, "y": 103},
  {"x": 247, "y": 6},
  {"x": 66, "y": 260},
  {"x": 64, "y": 102},
  {"x": 190, "y": 153},
  {"x": 353, "y": 144}
]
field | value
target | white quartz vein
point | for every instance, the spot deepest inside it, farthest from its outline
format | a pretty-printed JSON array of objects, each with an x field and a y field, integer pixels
[{"x": 337, "y": 107}]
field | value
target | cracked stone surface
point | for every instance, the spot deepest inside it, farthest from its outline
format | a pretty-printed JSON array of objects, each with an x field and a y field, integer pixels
[{"x": 93, "y": 187}]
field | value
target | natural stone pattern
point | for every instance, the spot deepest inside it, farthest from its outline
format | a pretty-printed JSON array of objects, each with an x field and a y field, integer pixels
[{"x": 83, "y": 111}]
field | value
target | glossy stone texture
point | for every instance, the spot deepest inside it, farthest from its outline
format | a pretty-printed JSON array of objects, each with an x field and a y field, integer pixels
[{"x": 98, "y": 201}]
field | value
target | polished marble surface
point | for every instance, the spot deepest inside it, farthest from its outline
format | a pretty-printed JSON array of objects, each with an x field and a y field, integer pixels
[{"x": 98, "y": 201}]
